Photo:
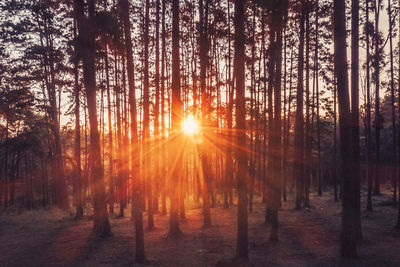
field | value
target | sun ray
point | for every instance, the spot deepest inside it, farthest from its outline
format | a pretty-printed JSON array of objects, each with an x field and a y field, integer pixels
[{"x": 190, "y": 126}]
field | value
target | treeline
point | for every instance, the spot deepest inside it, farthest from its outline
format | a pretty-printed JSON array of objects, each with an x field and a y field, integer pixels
[{"x": 93, "y": 95}]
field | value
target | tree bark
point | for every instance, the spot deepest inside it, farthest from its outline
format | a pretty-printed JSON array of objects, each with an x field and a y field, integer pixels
[
  {"x": 157, "y": 142},
  {"x": 101, "y": 224},
  {"x": 298, "y": 160},
  {"x": 175, "y": 158},
  {"x": 77, "y": 145},
  {"x": 394, "y": 159},
  {"x": 136, "y": 192},
  {"x": 203, "y": 10},
  {"x": 377, "y": 104},
  {"x": 355, "y": 112},
  {"x": 368, "y": 111},
  {"x": 242, "y": 237},
  {"x": 348, "y": 240}
]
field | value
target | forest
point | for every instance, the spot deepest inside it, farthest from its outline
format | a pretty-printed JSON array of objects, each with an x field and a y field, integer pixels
[{"x": 200, "y": 133}]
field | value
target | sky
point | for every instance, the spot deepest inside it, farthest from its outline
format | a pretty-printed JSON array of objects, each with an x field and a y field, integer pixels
[{"x": 383, "y": 27}]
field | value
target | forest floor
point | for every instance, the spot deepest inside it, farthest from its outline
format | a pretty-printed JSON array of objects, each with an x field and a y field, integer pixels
[{"x": 309, "y": 237}]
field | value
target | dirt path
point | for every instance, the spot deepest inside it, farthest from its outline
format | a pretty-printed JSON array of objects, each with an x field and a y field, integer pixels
[{"x": 307, "y": 238}]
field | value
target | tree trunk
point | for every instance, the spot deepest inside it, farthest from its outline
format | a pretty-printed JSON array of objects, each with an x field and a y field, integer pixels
[
  {"x": 308, "y": 148},
  {"x": 175, "y": 158},
  {"x": 355, "y": 113},
  {"x": 157, "y": 142},
  {"x": 270, "y": 137},
  {"x": 394, "y": 159},
  {"x": 316, "y": 66},
  {"x": 136, "y": 192},
  {"x": 398, "y": 182},
  {"x": 229, "y": 161},
  {"x": 298, "y": 160},
  {"x": 120, "y": 174},
  {"x": 377, "y": 105},
  {"x": 77, "y": 145},
  {"x": 87, "y": 36},
  {"x": 275, "y": 191},
  {"x": 242, "y": 226},
  {"x": 348, "y": 240},
  {"x": 253, "y": 150},
  {"x": 146, "y": 118},
  {"x": 163, "y": 155},
  {"x": 335, "y": 180},
  {"x": 368, "y": 111},
  {"x": 204, "y": 109}
]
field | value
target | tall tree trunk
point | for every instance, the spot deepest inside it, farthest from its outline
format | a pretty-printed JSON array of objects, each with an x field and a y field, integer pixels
[
  {"x": 355, "y": 112},
  {"x": 298, "y": 160},
  {"x": 348, "y": 240},
  {"x": 135, "y": 157},
  {"x": 253, "y": 150},
  {"x": 377, "y": 102},
  {"x": 110, "y": 137},
  {"x": 368, "y": 111},
  {"x": 287, "y": 129},
  {"x": 335, "y": 180},
  {"x": 394, "y": 159},
  {"x": 242, "y": 226},
  {"x": 264, "y": 107},
  {"x": 308, "y": 148},
  {"x": 175, "y": 158},
  {"x": 229, "y": 161},
  {"x": 163, "y": 155},
  {"x": 157, "y": 112},
  {"x": 110, "y": 131},
  {"x": 203, "y": 10},
  {"x": 284, "y": 150},
  {"x": 146, "y": 118},
  {"x": 398, "y": 182},
  {"x": 120, "y": 175},
  {"x": 316, "y": 66},
  {"x": 6, "y": 172},
  {"x": 87, "y": 36},
  {"x": 271, "y": 66},
  {"x": 77, "y": 145},
  {"x": 230, "y": 117},
  {"x": 275, "y": 191}
]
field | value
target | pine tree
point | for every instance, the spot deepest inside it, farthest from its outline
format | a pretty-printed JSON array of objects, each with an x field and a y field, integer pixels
[
  {"x": 348, "y": 239},
  {"x": 87, "y": 37},
  {"x": 242, "y": 237}
]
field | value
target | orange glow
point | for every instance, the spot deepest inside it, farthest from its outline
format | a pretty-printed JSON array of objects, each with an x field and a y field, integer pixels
[{"x": 190, "y": 125}]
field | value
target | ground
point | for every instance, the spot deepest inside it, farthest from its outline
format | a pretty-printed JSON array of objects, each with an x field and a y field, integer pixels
[{"x": 309, "y": 237}]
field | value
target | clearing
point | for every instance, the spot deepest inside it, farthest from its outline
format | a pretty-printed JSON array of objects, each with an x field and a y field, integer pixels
[{"x": 309, "y": 237}]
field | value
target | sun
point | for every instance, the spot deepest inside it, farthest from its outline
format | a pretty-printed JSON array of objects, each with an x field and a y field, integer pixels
[{"x": 190, "y": 125}]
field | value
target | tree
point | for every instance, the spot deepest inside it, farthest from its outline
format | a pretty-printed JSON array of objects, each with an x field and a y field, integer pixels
[
  {"x": 146, "y": 117},
  {"x": 298, "y": 166},
  {"x": 355, "y": 112},
  {"x": 78, "y": 196},
  {"x": 377, "y": 4},
  {"x": 136, "y": 192},
  {"x": 157, "y": 110},
  {"x": 348, "y": 239},
  {"x": 392, "y": 96},
  {"x": 229, "y": 120},
  {"x": 242, "y": 237},
  {"x": 368, "y": 111},
  {"x": 101, "y": 225},
  {"x": 203, "y": 41},
  {"x": 175, "y": 158},
  {"x": 162, "y": 92},
  {"x": 308, "y": 130}
]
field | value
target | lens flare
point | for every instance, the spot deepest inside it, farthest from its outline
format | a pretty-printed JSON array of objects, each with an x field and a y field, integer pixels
[{"x": 190, "y": 126}]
